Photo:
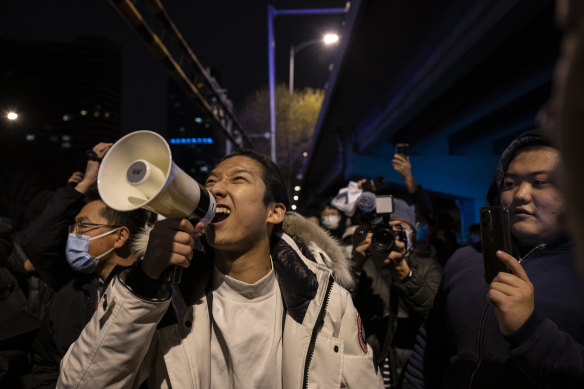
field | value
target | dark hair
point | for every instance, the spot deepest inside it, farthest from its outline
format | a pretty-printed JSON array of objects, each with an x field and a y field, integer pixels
[
  {"x": 526, "y": 141},
  {"x": 133, "y": 220},
  {"x": 276, "y": 189}
]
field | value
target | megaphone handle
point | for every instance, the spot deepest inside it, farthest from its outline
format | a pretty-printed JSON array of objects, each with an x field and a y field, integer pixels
[{"x": 173, "y": 274}]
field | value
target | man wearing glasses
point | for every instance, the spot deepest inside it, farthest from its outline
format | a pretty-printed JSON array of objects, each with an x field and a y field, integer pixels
[
  {"x": 98, "y": 247},
  {"x": 77, "y": 263}
]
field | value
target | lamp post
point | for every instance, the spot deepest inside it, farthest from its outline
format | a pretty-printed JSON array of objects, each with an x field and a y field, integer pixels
[
  {"x": 327, "y": 40},
  {"x": 272, "y": 13}
]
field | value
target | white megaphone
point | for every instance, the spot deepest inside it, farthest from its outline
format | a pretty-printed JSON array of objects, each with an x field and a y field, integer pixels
[{"x": 138, "y": 172}]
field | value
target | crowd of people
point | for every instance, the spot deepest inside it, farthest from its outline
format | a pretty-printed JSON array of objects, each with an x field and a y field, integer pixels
[
  {"x": 371, "y": 291},
  {"x": 270, "y": 298}
]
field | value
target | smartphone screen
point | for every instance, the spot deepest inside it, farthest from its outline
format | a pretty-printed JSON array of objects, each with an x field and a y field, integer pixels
[
  {"x": 496, "y": 235},
  {"x": 403, "y": 149}
]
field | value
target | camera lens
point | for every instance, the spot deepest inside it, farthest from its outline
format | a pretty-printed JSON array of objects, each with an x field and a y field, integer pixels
[{"x": 382, "y": 241}]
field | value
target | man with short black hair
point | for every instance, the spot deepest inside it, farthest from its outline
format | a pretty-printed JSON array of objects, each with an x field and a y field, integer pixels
[
  {"x": 98, "y": 247},
  {"x": 530, "y": 331},
  {"x": 257, "y": 307}
]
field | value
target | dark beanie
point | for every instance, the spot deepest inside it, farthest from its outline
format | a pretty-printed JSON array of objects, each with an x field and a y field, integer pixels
[{"x": 526, "y": 139}]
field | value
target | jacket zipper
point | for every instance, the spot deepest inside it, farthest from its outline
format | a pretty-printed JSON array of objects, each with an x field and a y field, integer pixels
[
  {"x": 480, "y": 344},
  {"x": 316, "y": 330},
  {"x": 536, "y": 248},
  {"x": 481, "y": 334}
]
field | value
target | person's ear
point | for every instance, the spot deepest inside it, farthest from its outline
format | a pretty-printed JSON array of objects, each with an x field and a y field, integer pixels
[
  {"x": 276, "y": 213},
  {"x": 122, "y": 236}
]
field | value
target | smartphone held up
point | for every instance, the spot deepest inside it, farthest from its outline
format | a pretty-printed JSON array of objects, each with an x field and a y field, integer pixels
[
  {"x": 496, "y": 235},
  {"x": 402, "y": 149}
]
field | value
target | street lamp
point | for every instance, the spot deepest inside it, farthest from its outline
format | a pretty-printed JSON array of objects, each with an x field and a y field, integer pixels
[
  {"x": 328, "y": 40},
  {"x": 11, "y": 116},
  {"x": 272, "y": 13}
]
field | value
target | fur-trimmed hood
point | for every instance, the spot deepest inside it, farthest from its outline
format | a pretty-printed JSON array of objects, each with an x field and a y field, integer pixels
[
  {"x": 300, "y": 243},
  {"x": 322, "y": 246}
]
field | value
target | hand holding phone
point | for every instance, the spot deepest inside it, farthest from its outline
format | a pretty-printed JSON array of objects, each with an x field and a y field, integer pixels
[
  {"x": 402, "y": 149},
  {"x": 496, "y": 235}
]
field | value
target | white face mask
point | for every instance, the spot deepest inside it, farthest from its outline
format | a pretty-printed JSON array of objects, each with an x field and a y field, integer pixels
[
  {"x": 77, "y": 252},
  {"x": 331, "y": 221}
]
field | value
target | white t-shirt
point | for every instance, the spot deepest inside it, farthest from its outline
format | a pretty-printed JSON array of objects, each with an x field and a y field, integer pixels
[{"x": 246, "y": 335}]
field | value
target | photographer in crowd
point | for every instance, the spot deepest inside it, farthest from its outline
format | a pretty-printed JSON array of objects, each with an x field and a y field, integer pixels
[{"x": 395, "y": 288}]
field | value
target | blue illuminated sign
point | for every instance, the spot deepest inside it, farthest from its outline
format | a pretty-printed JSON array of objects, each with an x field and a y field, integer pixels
[{"x": 176, "y": 141}]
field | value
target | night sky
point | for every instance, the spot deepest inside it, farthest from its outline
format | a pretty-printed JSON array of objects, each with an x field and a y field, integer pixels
[{"x": 228, "y": 36}]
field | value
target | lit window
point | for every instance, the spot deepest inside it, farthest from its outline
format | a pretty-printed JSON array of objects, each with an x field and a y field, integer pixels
[
  {"x": 83, "y": 112},
  {"x": 30, "y": 137},
  {"x": 67, "y": 117},
  {"x": 66, "y": 138}
]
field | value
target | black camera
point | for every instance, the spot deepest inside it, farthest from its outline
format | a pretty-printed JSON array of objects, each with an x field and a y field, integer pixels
[
  {"x": 383, "y": 239},
  {"x": 376, "y": 221}
]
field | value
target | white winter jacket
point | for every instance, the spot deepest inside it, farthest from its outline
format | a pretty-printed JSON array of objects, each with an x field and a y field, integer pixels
[{"x": 131, "y": 339}]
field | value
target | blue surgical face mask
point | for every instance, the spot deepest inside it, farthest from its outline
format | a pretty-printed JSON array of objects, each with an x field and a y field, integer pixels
[{"x": 77, "y": 252}]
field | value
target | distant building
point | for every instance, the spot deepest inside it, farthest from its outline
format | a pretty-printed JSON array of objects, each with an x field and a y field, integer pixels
[
  {"x": 67, "y": 97},
  {"x": 196, "y": 144}
]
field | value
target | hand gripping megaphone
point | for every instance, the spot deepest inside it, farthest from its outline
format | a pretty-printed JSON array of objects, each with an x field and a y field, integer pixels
[{"x": 138, "y": 172}]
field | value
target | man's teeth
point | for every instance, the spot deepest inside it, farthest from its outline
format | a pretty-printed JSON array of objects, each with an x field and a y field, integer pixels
[{"x": 223, "y": 210}]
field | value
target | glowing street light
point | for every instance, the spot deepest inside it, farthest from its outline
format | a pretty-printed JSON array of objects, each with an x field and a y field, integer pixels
[
  {"x": 11, "y": 116},
  {"x": 327, "y": 39},
  {"x": 272, "y": 13},
  {"x": 330, "y": 38}
]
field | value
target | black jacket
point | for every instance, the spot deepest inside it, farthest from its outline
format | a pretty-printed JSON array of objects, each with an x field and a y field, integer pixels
[
  {"x": 461, "y": 346},
  {"x": 379, "y": 302},
  {"x": 73, "y": 306},
  {"x": 46, "y": 238},
  {"x": 74, "y": 302}
]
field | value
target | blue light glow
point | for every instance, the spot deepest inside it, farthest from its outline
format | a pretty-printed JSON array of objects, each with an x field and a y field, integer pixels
[{"x": 183, "y": 141}]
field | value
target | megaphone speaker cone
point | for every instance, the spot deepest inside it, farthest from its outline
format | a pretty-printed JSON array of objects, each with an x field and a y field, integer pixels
[{"x": 138, "y": 172}]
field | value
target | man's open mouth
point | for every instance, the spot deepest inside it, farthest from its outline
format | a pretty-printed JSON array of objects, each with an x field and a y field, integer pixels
[{"x": 221, "y": 213}]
